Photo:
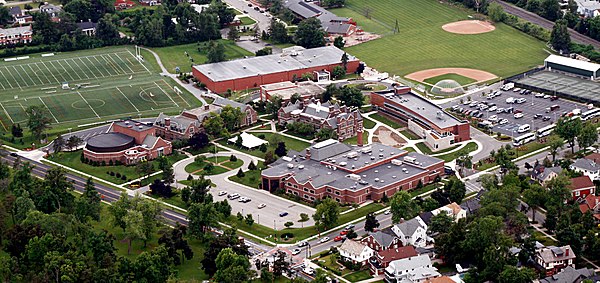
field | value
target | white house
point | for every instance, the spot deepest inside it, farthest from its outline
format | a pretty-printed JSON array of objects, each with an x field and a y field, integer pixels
[
  {"x": 453, "y": 210},
  {"x": 355, "y": 251},
  {"x": 413, "y": 269},
  {"x": 588, "y": 166},
  {"x": 412, "y": 232},
  {"x": 588, "y": 8}
]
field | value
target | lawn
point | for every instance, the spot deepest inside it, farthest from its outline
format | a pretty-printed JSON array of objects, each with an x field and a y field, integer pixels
[
  {"x": 368, "y": 123},
  {"x": 409, "y": 149},
  {"x": 426, "y": 150},
  {"x": 251, "y": 178},
  {"x": 471, "y": 146},
  {"x": 409, "y": 135},
  {"x": 73, "y": 160},
  {"x": 221, "y": 165},
  {"x": 462, "y": 80},
  {"x": 247, "y": 21},
  {"x": 421, "y": 43},
  {"x": 174, "y": 56},
  {"x": 358, "y": 276},
  {"x": 385, "y": 120},
  {"x": 423, "y": 190},
  {"x": 354, "y": 140},
  {"x": 273, "y": 139}
]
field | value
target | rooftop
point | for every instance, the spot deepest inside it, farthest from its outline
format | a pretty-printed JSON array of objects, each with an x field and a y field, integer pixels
[
  {"x": 134, "y": 125},
  {"x": 286, "y": 89},
  {"x": 573, "y": 63},
  {"x": 552, "y": 254},
  {"x": 410, "y": 263},
  {"x": 569, "y": 275},
  {"x": 397, "y": 253},
  {"x": 15, "y": 31},
  {"x": 353, "y": 247},
  {"x": 425, "y": 108},
  {"x": 275, "y": 63},
  {"x": 581, "y": 183}
]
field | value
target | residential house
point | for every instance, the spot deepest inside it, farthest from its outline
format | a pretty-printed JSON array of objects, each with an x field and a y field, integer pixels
[
  {"x": 345, "y": 121},
  {"x": 426, "y": 217},
  {"x": 412, "y": 232},
  {"x": 542, "y": 175},
  {"x": 124, "y": 4},
  {"x": 356, "y": 252},
  {"x": 19, "y": 16},
  {"x": 453, "y": 210},
  {"x": 581, "y": 187},
  {"x": 592, "y": 204},
  {"x": 569, "y": 275},
  {"x": 52, "y": 10},
  {"x": 588, "y": 166},
  {"x": 443, "y": 279},
  {"x": 332, "y": 24},
  {"x": 413, "y": 269},
  {"x": 150, "y": 2},
  {"x": 382, "y": 259},
  {"x": 382, "y": 240},
  {"x": 588, "y": 8},
  {"x": 473, "y": 204},
  {"x": 10, "y": 36},
  {"x": 88, "y": 28},
  {"x": 551, "y": 260}
]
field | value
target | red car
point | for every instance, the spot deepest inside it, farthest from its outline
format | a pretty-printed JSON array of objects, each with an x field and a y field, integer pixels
[
  {"x": 344, "y": 232},
  {"x": 338, "y": 238}
]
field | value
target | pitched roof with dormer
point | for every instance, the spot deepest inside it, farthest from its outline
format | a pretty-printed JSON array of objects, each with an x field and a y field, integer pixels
[{"x": 353, "y": 247}]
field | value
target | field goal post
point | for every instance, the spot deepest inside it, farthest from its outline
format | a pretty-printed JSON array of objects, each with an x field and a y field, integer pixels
[{"x": 138, "y": 54}]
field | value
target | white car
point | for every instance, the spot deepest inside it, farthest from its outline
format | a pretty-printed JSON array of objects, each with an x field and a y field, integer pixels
[
  {"x": 492, "y": 109},
  {"x": 467, "y": 102},
  {"x": 521, "y": 100},
  {"x": 262, "y": 205},
  {"x": 473, "y": 103},
  {"x": 510, "y": 100},
  {"x": 296, "y": 251},
  {"x": 387, "y": 212},
  {"x": 503, "y": 121},
  {"x": 493, "y": 118},
  {"x": 483, "y": 107},
  {"x": 547, "y": 96},
  {"x": 324, "y": 239},
  {"x": 500, "y": 110},
  {"x": 539, "y": 95},
  {"x": 222, "y": 193},
  {"x": 518, "y": 115}
]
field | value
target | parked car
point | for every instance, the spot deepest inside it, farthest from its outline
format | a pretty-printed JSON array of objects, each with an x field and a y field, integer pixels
[
  {"x": 296, "y": 251},
  {"x": 493, "y": 118},
  {"x": 547, "y": 96},
  {"x": 479, "y": 115},
  {"x": 539, "y": 95},
  {"x": 492, "y": 109},
  {"x": 455, "y": 107},
  {"x": 546, "y": 118},
  {"x": 503, "y": 121},
  {"x": 262, "y": 205},
  {"x": 324, "y": 239},
  {"x": 553, "y": 98},
  {"x": 349, "y": 226},
  {"x": 473, "y": 103},
  {"x": 448, "y": 170},
  {"x": 518, "y": 116},
  {"x": 344, "y": 232},
  {"x": 387, "y": 212},
  {"x": 500, "y": 110},
  {"x": 521, "y": 100},
  {"x": 233, "y": 196},
  {"x": 509, "y": 110},
  {"x": 510, "y": 100},
  {"x": 222, "y": 193},
  {"x": 518, "y": 111},
  {"x": 283, "y": 214},
  {"x": 537, "y": 116},
  {"x": 338, "y": 238}
]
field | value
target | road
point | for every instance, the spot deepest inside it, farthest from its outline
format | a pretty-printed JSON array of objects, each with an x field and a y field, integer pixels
[
  {"x": 534, "y": 18},
  {"x": 262, "y": 19},
  {"x": 110, "y": 195}
]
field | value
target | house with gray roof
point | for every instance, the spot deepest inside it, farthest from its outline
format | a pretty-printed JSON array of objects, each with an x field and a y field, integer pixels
[
  {"x": 331, "y": 23},
  {"x": 413, "y": 269},
  {"x": 588, "y": 166},
  {"x": 552, "y": 260},
  {"x": 52, "y": 10},
  {"x": 350, "y": 174},
  {"x": 569, "y": 275},
  {"x": 543, "y": 174},
  {"x": 345, "y": 121},
  {"x": 381, "y": 241},
  {"x": 19, "y": 16},
  {"x": 412, "y": 232}
]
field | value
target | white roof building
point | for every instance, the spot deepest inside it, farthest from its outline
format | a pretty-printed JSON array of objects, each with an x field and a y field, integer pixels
[
  {"x": 413, "y": 269},
  {"x": 248, "y": 140}
]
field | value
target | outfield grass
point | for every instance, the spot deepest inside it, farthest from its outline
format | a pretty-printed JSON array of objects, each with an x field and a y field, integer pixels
[
  {"x": 174, "y": 56},
  {"x": 462, "y": 80},
  {"x": 421, "y": 43},
  {"x": 385, "y": 120}
]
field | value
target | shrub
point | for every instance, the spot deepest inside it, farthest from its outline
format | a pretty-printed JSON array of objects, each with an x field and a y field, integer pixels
[
  {"x": 124, "y": 177},
  {"x": 118, "y": 175},
  {"x": 261, "y": 136},
  {"x": 110, "y": 163},
  {"x": 233, "y": 158},
  {"x": 103, "y": 163}
]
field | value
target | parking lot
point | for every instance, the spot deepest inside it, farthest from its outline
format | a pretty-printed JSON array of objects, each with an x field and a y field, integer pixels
[{"x": 534, "y": 107}]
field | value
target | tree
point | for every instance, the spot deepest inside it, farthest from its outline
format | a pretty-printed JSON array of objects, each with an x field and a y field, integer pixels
[
  {"x": 512, "y": 274},
  {"x": 278, "y": 32},
  {"x": 371, "y": 222},
  {"x": 496, "y": 12},
  {"x": 174, "y": 241},
  {"x": 58, "y": 144},
  {"x": 73, "y": 142},
  {"x": 555, "y": 143},
  {"x": 325, "y": 134},
  {"x": 333, "y": 3},
  {"x": 338, "y": 72},
  {"x": 535, "y": 197},
  {"x": 402, "y": 206},
  {"x": 455, "y": 189},
  {"x": 264, "y": 51},
  {"x": 201, "y": 217},
  {"x": 16, "y": 130},
  {"x": 232, "y": 267},
  {"x": 198, "y": 140},
  {"x": 249, "y": 220},
  {"x": 310, "y": 34},
  {"x": 339, "y": 42},
  {"x": 216, "y": 53},
  {"x": 213, "y": 125},
  {"x": 351, "y": 96},
  {"x": 269, "y": 158},
  {"x": 233, "y": 34},
  {"x": 107, "y": 31},
  {"x": 240, "y": 174},
  {"x": 144, "y": 169},
  {"x": 326, "y": 214},
  {"x": 551, "y": 10},
  {"x": 228, "y": 239},
  {"x": 231, "y": 117},
  {"x": 159, "y": 188},
  {"x": 560, "y": 39},
  {"x": 251, "y": 166},
  {"x": 81, "y": 9},
  {"x": 88, "y": 204},
  {"x": 199, "y": 190},
  {"x": 222, "y": 11},
  {"x": 38, "y": 120},
  {"x": 303, "y": 217},
  {"x": 133, "y": 220},
  {"x": 588, "y": 136},
  {"x": 280, "y": 264},
  {"x": 465, "y": 160},
  {"x": 441, "y": 223},
  {"x": 281, "y": 150},
  {"x": 238, "y": 141}
]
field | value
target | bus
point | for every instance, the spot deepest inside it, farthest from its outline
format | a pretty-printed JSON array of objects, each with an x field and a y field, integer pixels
[
  {"x": 521, "y": 140},
  {"x": 545, "y": 131},
  {"x": 590, "y": 114}
]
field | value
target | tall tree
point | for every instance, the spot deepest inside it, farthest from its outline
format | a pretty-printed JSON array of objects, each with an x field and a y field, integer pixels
[
  {"x": 588, "y": 136},
  {"x": 560, "y": 39},
  {"x": 118, "y": 210},
  {"x": 58, "y": 144},
  {"x": 213, "y": 125},
  {"x": 326, "y": 214},
  {"x": 350, "y": 96},
  {"x": 107, "y": 31},
  {"x": 371, "y": 222},
  {"x": 310, "y": 34},
  {"x": 277, "y": 32},
  {"x": 403, "y": 206},
  {"x": 174, "y": 241},
  {"x": 38, "y": 120},
  {"x": 441, "y": 223},
  {"x": 551, "y": 10},
  {"x": 569, "y": 129},
  {"x": 228, "y": 239},
  {"x": 555, "y": 143},
  {"x": 535, "y": 197},
  {"x": 232, "y": 117},
  {"x": 5, "y": 16},
  {"x": 133, "y": 227},
  {"x": 73, "y": 142},
  {"x": 232, "y": 267},
  {"x": 222, "y": 11},
  {"x": 339, "y": 42},
  {"x": 201, "y": 217},
  {"x": 216, "y": 52},
  {"x": 88, "y": 204},
  {"x": 281, "y": 150}
]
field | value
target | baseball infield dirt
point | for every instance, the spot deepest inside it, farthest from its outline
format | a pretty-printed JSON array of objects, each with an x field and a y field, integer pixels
[
  {"x": 478, "y": 75},
  {"x": 469, "y": 27}
]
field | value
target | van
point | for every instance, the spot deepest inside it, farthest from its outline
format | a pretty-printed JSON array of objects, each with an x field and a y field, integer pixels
[
  {"x": 524, "y": 128},
  {"x": 554, "y": 107}
]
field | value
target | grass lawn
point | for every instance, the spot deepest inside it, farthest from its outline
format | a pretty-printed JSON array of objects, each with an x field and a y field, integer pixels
[
  {"x": 423, "y": 190},
  {"x": 462, "y": 80},
  {"x": 354, "y": 140},
  {"x": 409, "y": 135},
  {"x": 334, "y": 266},
  {"x": 368, "y": 123},
  {"x": 273, "y": 138},
  {"x": 426, "y": 150},
  {"x": 385, "y": 120},
  {"x": 174, "y": 56},
  {"x": 425, "y": 45},
  {"x": 453, "y": 155},
  {"x": 73, "y": 160},
  {"x": 358, "y": 276},
  {"x": 247, "y": 21},
  {"x": 251, "y": 178},
  {"x": 409, "y": 149}
]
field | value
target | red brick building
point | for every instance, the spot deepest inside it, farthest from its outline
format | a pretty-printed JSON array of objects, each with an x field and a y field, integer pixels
[
  {"x": 126, "y": 142},
  {"x": 439, "y": 129},
  {"x": 581, "y": 187},
  {"x": 350, "y": 174},
  {"x": 346, "y": 122},
  {"x": 249, "y": 73}
]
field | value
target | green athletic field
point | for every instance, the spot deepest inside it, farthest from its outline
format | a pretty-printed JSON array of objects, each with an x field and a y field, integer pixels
[
  {"x": 421, "y": 43},
  {"x": 103, "y": 84}
]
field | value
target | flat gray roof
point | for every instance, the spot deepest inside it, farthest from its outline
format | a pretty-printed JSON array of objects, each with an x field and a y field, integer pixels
[
  {"x": 550, "y": 81},
  {"x": 261, "y": 65},
  {"x": 433, "y": 113}
]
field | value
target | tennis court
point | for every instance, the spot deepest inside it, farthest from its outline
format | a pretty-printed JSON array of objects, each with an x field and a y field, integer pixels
[{"x": 565, "y": 85}]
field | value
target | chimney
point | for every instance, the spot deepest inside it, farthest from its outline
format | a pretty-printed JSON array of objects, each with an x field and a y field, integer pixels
[
  {"x": 168, "y": 122},
  {"x": 307, "y": 153},
  {"x": 359, "y": 138},
  {"x": 567, "y": 251},
  {"x": 207, "y": 106}
]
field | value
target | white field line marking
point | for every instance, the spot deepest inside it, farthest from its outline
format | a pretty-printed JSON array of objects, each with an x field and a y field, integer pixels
[
  {"x": 124, "y": 62},
  {"x": 91, "y": 72},
  {"x": 109, "y": 64},
  {"x": 51, "y": 73},
  {"x": 6, "y": 79},
  {"x": 104, "y": 66},
  {"x": 166, "y": 94},
  {"x": 62, "y": 74},
  {"x": 188, "y": 104},
  {"x": 42, "y": 72},
  {"x": 139, "y": 62},
  {"x": 23, "y": 80},
  {"x": 6, "y": 112},
  {"x": 76, "y": 73},
  {"x": 49, "y": 110},
  {"x": 36, "y": 75},
  {"x": 136, "y": 109},
  {"x": 88, "y": 104},
  {"x": 114, "y": 63},
  {"x": 9, "y": 72},
  {"x": 80, "y": 70},
  {"x": 26, "y": 73},
  {"x": 95, "y": 66}
]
